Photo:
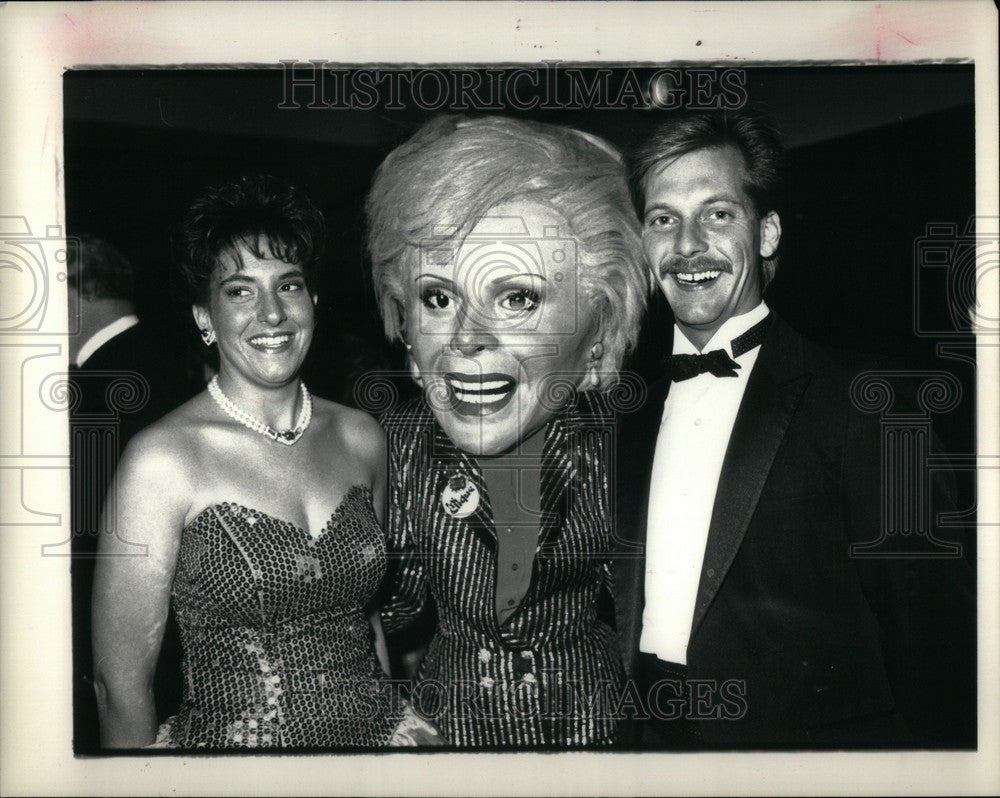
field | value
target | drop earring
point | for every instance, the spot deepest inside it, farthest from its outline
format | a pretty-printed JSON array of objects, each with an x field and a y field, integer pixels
[
  {"x": 207, "y": 336},
  {"x": 596, "y": 353},
  {"x": 412, "y": 364}
]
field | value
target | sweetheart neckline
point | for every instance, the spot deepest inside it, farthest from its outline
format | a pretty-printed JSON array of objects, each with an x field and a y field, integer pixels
[{"x": 218, "y": 506}]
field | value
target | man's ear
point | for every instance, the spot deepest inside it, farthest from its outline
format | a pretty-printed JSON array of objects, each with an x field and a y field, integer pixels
[
  {"x": 770, "y": 234},
  {"x": 201, "y": 317}
]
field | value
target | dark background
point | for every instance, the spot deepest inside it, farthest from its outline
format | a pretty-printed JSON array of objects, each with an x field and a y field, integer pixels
[{"x": 875, "y": 155}]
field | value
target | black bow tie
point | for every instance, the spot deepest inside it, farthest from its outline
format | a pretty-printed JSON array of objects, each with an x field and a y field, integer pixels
[
  {"x": 684, "y": 367},
  {"x": 718, "y": 361}
]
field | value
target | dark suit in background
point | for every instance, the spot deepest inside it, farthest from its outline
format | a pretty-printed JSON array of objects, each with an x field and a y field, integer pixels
[{"x": 801, "y": 644}]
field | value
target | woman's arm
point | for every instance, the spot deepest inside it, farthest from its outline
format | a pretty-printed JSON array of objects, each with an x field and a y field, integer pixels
[
  {"x": 366, "y": 438},
  {"x": 132, "y": 581},
  {"x": 381, "y": 647}
]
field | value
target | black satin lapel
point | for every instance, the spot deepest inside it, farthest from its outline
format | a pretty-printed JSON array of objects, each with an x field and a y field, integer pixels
[
  {"x": 630, "y": 473},
  {"x": 770, "y": 400},
  {"x": 636, "y": 446}
]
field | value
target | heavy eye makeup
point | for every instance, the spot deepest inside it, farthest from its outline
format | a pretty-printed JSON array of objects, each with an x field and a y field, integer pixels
[
  {"x": 437, "y": 298},
  {"x": 520, "y": 300}
]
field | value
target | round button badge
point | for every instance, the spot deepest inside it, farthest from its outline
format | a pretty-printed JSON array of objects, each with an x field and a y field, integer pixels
[{"x": 460, "y": 497}]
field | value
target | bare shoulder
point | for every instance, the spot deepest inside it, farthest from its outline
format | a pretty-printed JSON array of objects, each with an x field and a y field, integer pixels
[
  {"x": 165, "y": 448},
  {"x": 359, "y": 432},
  {"x": 155, "y": 481}
]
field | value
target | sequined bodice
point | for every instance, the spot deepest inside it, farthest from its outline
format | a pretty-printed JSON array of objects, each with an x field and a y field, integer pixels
[{"x": 278, "y": 650}]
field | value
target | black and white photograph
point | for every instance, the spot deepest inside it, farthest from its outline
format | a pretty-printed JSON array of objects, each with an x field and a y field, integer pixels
[{"x": 597, "y": 415}]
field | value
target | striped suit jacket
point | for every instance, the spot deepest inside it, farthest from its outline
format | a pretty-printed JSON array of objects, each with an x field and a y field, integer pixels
[{"x": 549, "y": 675}]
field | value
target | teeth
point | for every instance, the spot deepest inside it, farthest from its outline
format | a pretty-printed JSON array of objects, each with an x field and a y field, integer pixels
[
  {"x": 697, "y": 277},
  {"x": 477, "y": 398},
  {"x": 492, "y": 385},
  {"x": 271, "y": 340}
]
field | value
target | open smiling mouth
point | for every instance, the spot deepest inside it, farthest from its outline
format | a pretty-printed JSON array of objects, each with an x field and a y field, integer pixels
[
  {"x": 697, "y": 279},
  {"x": 479, "y": 394},
  {"x": 276, "y": 342}
]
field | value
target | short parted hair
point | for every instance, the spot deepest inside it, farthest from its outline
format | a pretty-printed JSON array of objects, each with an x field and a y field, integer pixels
[
  {"x": 453, "y": 170},
  {"x": 98, "y": 270},
  {"x": 268, "y": 217},
  {"x": 750, "y": 134}
]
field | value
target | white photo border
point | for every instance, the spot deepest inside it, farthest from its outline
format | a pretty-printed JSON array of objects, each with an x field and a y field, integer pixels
[{"x": 38, "y": 42}]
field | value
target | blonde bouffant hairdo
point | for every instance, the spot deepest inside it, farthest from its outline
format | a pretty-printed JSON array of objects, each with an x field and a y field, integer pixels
[{"x": 453, "y": 170}]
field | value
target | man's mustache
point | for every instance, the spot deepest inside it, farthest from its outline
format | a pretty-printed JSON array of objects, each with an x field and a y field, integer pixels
[{"x": 700, "y": 263}]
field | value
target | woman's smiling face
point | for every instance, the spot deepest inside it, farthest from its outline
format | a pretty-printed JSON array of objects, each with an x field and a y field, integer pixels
[
  {"x": 500, "y": 327},
  {"x": 263, "y": 317}
]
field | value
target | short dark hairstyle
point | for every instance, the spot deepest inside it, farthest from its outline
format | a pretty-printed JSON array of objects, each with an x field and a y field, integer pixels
[
  {"x": 268, "y": 217},
  {"x": 749, "y": 133},
  {"x": 98, "y": 269}
]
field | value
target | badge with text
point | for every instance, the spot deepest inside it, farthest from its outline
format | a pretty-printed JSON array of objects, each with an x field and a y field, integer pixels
[{"x": 460, "y": 497}]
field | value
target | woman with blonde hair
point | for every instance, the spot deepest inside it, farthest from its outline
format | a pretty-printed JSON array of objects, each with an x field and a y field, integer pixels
[{"x": 507, "y": 258}]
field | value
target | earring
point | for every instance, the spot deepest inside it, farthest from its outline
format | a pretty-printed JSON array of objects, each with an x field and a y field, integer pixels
[
  {"x": 208, "y": 336},
  {"x": 596, "y": 353}
]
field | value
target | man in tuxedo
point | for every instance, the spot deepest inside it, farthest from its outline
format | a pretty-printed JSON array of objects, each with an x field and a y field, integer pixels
[
  {"x": 743, "y": 481},
  {"x": 124, "y": 377}
]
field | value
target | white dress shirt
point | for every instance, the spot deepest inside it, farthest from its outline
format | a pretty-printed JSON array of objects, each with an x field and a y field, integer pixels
[
  {"x": 103, "y": 335},
  {"x": 697, "y": 421}
]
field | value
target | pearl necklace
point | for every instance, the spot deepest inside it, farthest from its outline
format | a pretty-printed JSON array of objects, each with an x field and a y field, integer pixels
[{"x": 287, "y": 437}]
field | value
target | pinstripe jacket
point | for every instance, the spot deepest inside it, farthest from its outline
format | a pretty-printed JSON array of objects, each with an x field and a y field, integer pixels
[{"x": 550, "y": 674}]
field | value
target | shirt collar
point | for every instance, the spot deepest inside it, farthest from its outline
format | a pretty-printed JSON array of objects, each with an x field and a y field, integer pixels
[
  {"x": 103, "y": 335},
  {"x": 733, "y": 327}
]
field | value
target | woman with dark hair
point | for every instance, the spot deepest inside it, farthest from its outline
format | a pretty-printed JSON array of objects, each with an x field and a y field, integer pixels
[
  {"x": 254, "y": 507},
  {"x": 507, "y": 259}
]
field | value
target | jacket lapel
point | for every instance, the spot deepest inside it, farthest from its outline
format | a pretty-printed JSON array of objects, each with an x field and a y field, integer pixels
[
  {"x": 773, "y": 392},
  {"x": 556, "y": 481},
  {"x": 630, "y": 474},
  {"x": 450, "y": 463}
]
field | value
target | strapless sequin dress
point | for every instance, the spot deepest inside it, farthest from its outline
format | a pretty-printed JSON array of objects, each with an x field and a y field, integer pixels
[{"x": 278, "y": 649}]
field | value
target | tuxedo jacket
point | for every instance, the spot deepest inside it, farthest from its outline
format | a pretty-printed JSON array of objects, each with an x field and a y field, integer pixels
[
  {"x": 802, "y": 643},
  {"x": 539, "y": 678},
  {"x": 140, "y": 357}
]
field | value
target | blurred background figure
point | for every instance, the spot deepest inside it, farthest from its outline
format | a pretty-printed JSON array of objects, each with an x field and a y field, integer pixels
[
  {"x": 112, "y": 343},
  {"x": 125, "y": 377}
]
